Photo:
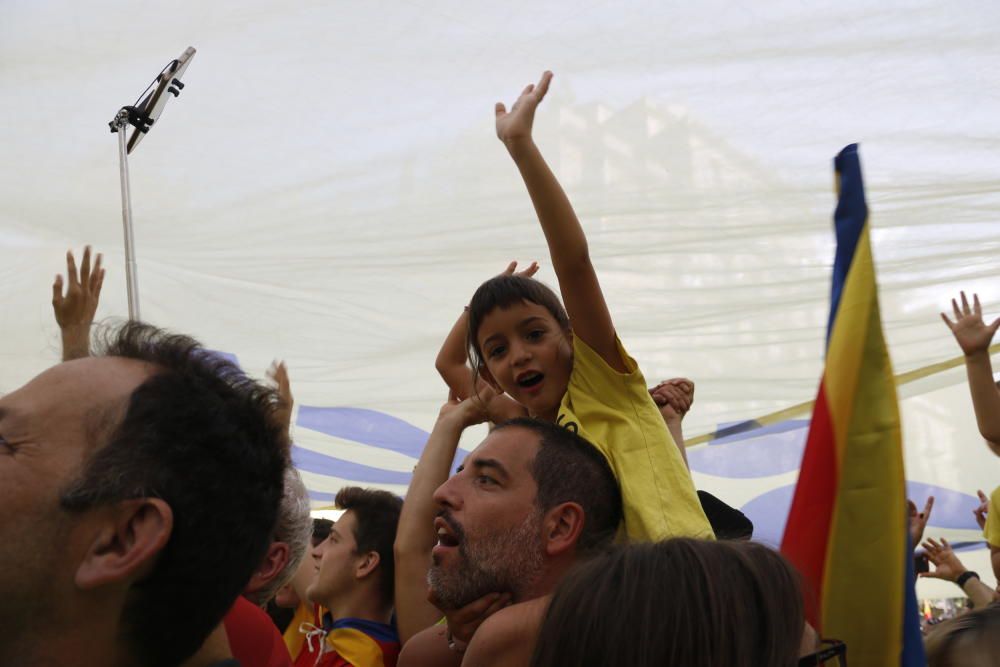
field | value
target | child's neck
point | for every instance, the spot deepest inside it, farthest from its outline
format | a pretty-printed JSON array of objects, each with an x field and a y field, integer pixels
[{"x": 547, "y": 416}]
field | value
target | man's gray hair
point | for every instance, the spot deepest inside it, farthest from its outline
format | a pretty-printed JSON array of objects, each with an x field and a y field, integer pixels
[{"x": 294, "y": 528}]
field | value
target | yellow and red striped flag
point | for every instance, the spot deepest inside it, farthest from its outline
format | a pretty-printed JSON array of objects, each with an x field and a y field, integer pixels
[{"x": 847, "y": 530}]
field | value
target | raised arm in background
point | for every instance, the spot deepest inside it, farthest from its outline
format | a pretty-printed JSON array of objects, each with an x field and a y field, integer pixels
[
  {"x": 75, "y": 309},
  {"x": 674, "y": 398},
  {"x": 947, "y": 566},
  {"x": 581, "y": 291},
  {"x": 974, "y": 336}
]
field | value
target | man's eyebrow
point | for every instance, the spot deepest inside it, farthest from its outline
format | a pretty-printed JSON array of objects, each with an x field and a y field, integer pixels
[
  {"x": 529, "y": 320},
  {"x": 479, "y": 464}
]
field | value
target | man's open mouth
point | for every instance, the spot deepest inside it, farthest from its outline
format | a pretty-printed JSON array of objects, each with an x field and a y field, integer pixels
[{"x": 447, "y": 534}]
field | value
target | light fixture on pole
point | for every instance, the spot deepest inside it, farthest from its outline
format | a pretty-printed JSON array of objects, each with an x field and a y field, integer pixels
[{"x": 141, "y": 117}]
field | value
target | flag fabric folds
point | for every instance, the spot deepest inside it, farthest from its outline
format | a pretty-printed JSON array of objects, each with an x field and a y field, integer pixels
[{"x": 847, "y": 529}]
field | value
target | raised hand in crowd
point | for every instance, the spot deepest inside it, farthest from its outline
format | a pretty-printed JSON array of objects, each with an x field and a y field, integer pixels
[
  {"x": 918, "y": 520},
  {"x": 452, "y": 363},
  {"x": 514, "y": 126},
  {"x": 674, "y": 399},
  {"x": 278, "y": 374},
  {"x": 947, "y": 566},
  {"x": 463, "y": 623},
  {"x": 974, "y": 336},
  {"x": 75, "y": 309},
  {"x": 981, "y": 511}
]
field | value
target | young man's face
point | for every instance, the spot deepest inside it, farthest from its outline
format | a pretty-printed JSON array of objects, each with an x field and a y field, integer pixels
[
  {"x": 337, "y": 561},
  {"x": 489, "y": 531}
]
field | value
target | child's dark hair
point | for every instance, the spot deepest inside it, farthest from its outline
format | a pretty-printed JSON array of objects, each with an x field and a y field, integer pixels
[{"x": 505, "y": 291}]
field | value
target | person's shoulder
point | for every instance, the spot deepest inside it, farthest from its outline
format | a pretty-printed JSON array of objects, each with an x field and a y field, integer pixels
[
  {"x": 995, "y": 499},
  {"x": 586, "y": 359},
  {"x": 511, "y": 629}
]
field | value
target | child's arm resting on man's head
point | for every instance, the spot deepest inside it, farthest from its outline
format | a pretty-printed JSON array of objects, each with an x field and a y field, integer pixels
[
  {"x": 581, "y": 291},
  {"x": 452, "y": 362},
  {"x": 974, "y": 336}
]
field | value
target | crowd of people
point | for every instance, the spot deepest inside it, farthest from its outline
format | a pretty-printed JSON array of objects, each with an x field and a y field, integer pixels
[{"x": 154, "y": 517}]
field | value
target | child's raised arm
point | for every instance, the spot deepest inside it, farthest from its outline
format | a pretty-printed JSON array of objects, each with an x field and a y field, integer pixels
[
  {"x": 974, "y": 336},
  {"x": 581, "y": 292}
]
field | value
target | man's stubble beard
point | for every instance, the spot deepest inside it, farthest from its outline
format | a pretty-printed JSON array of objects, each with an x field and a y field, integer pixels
[{"x": 507, "y": 561}]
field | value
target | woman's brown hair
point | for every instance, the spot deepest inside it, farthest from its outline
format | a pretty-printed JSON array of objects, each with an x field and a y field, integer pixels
[{"x": 685, "y": 602}]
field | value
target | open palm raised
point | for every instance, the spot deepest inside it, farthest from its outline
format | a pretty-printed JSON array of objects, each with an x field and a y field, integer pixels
[
  {"x": 973, "y": 335},
  {"x": 515, "y": 125}
]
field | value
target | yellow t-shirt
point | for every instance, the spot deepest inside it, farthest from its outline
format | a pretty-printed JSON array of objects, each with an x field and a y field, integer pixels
[
  {"x": 992, "y": 530},
  {"x": 615, "y": 412}
]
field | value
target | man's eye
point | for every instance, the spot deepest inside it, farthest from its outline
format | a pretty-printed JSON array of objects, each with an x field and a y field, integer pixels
[{"x": 485, "y": 480}]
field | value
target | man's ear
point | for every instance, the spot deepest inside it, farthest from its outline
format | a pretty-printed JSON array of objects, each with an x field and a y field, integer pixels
[
  {"x": 272, "y": 566},
  {"x": 131, "y": 535},
  {"x": 561, "y": 528},
  {"x": 367, "y": 565}
]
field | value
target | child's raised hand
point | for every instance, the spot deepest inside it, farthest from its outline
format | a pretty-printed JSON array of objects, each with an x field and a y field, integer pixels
[
  {"x": 511, "y": 270},
  {"x": 514, "y": 126},
  {"x": 973, "y": 335}
]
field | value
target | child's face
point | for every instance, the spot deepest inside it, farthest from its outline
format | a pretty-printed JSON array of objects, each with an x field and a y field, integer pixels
[{"x": 528, "y": 355}]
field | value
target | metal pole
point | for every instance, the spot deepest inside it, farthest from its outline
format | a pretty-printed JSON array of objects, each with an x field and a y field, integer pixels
[{"x": 131, "y": 276}]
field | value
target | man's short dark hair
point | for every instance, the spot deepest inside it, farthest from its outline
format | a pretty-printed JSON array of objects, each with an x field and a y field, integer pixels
[
  {"x": 200, "y": 435},
  {"x": 321, "y": 530},
  {"x": 567, "y": 468},
  {"x": 377, "y": 516}
]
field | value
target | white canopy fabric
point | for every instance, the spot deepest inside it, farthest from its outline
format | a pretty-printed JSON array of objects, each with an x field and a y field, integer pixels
[{"x": 328, "y": 190}]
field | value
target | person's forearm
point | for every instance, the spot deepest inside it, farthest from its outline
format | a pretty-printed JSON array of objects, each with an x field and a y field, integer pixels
[
  {"x": 563, "y": 232},
  {"x": 452, "y": 357},
  {"x": 75, "y": 342},
  {"x": 979, "y": 593},
  {"x": 677, "y": 432},
  {"x": 985, "y": 395},
  {"x": 415, "y": 520},
  {"x": 415, "y": 535}
]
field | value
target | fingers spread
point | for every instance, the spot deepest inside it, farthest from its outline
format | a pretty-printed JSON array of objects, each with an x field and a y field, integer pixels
[
  {"x": 97, "y": 274},
  {"x": 543, "y": 84},
  {"x": 71, "y": 273},
  {"x": 85, "y": 266}
]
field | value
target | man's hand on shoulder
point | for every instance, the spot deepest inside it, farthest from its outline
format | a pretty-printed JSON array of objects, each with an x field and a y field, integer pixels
[{"x": 507, "y": 637}]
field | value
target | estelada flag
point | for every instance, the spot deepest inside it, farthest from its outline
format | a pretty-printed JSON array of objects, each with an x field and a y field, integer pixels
[{"x": 847, "y": 530}]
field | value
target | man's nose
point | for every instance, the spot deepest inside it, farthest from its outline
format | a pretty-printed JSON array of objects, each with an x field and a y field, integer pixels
[{"x": 447, "y": 495}]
